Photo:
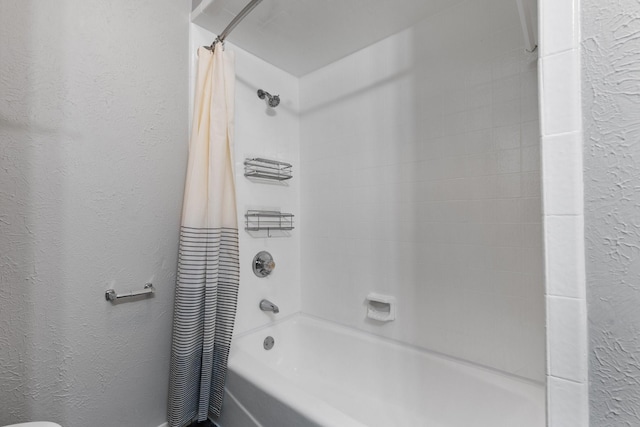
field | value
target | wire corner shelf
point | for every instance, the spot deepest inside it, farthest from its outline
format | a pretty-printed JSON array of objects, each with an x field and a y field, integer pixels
[{"x": 258, "y": 167}]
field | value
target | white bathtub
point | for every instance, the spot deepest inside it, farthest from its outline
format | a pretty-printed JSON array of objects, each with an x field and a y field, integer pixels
[{"x": 322, "y": 374}]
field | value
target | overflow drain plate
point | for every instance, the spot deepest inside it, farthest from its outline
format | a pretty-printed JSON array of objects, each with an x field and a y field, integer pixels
[{"x": 268, "y": 343}]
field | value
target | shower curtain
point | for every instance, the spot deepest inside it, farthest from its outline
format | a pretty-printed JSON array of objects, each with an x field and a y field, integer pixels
[{"x": 208, "y": 269}]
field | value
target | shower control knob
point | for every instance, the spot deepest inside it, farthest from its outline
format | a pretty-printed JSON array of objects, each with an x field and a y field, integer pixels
[{"x": 263, "y": 264}]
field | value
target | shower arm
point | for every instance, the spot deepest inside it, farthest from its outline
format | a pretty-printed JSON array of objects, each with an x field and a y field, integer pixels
[{"x": 239, "y": 17}]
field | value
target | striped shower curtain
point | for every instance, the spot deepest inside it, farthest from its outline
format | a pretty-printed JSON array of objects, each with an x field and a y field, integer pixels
[{"x": 208, "y": 268}]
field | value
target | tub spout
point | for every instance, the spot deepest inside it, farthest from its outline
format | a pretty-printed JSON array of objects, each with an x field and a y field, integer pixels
[{"x": 266, "y": 305}]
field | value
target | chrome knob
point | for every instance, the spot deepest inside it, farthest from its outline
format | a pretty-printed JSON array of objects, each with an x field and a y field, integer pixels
[{"x": 263, "y": 264}]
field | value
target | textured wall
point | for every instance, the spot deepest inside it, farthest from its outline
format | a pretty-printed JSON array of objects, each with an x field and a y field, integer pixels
[
  {"x": 421, "y": 179},
  {"x": 93, "y": 131},
  {"x": 611, "y": 95}
]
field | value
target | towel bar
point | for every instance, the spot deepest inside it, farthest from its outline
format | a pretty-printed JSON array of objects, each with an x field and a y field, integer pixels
[{"x": 111, "y": 295}]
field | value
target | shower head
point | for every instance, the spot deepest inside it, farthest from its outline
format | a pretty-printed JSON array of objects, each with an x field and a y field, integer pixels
[{"x": 273, "y": 101}]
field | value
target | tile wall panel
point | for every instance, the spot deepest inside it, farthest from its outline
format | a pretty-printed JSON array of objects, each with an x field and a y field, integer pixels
[{"x": 420, "y": 168}]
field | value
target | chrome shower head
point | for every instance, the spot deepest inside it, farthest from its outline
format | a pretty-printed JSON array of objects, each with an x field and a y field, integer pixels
[{"x": 273, "y": 101}]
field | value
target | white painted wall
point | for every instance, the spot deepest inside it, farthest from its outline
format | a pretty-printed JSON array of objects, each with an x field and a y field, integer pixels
[
  {"x": 421, "y": 179},
  {"x": 274, "y": 134},
  {"x": 93, "y": 124}
]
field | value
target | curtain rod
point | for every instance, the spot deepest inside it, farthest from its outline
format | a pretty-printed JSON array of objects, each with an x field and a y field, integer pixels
[{"x": 243, "y": 13}]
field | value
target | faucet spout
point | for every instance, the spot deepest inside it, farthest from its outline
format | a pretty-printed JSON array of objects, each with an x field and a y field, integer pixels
[{"x": 266, "y": 305}]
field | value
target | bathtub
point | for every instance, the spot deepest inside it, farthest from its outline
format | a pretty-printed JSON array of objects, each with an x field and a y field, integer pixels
[{"x": 322, "y": 374}]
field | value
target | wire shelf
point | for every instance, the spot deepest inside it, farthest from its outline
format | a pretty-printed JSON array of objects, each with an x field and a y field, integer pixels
[
  {"x": 268, "y": 221},
  {"x": 267, "y": 169}
]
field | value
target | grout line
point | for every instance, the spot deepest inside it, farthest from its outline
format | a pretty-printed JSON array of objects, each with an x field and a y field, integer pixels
[
  {"x": 566, "y": 379},
  {"x": 560, "y": 52},
  {"x": 578, "y": 299}
]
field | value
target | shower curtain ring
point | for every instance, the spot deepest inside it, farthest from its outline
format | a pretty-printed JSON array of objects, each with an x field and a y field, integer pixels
[
  {"x": 215, "y": 42},
  {"x": 213, "y": 45}
]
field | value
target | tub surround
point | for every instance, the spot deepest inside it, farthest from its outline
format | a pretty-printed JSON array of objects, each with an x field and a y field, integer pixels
[{"x": 421, "y": 180}]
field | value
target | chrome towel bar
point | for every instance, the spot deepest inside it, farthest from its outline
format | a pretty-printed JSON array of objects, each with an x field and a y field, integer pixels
[{"x": 111, "y": 295}]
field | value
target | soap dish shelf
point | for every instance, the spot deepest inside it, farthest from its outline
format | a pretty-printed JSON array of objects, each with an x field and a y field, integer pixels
[
  {"x": 269, "y": 221},
  {"x": 267, "y": 169}
]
